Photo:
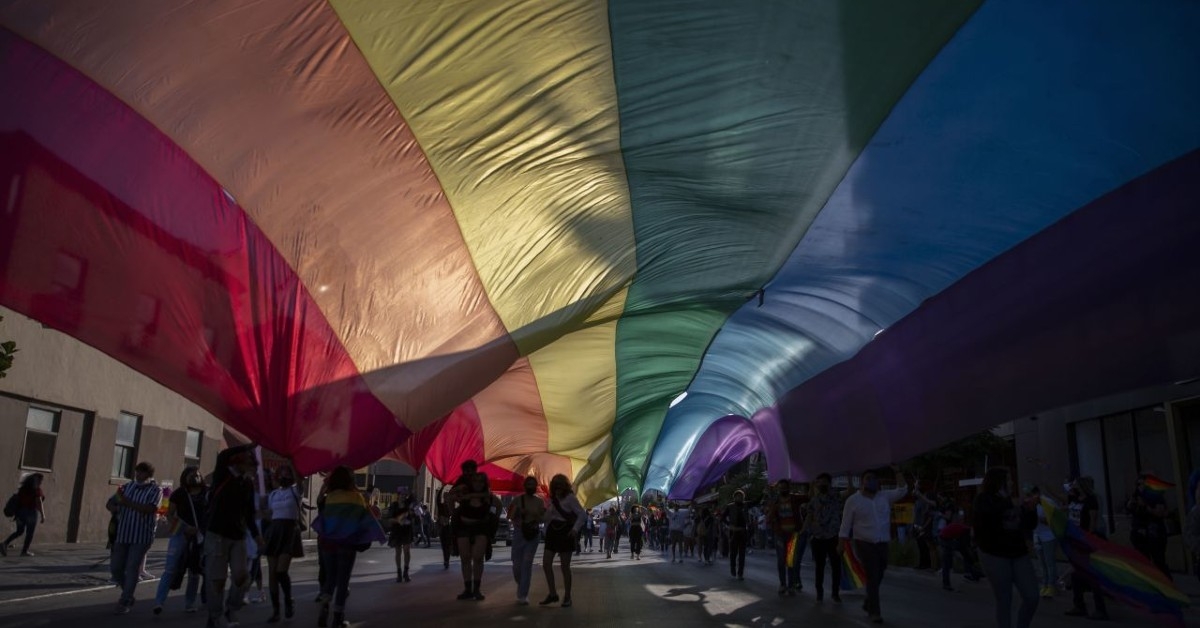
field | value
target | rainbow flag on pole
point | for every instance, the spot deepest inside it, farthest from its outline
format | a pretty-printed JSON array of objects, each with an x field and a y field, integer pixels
[
  {"x": 854, "y": 576},
  {"x": 1119, "y": 571}
]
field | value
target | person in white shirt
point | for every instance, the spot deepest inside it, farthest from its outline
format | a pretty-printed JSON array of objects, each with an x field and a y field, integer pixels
[
  {"x": 678, "y": 520},
  {"x": 866, "y": 519}
]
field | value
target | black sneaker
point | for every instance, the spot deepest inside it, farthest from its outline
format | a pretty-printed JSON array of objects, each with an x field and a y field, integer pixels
[{"x": 550, "y": 599}]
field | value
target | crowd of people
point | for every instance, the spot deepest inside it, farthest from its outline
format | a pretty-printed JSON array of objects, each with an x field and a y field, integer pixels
[{"x": 224, "y": 524}]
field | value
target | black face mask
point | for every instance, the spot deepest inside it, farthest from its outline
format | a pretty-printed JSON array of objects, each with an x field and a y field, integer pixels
[{"x": 530, "y": 491}]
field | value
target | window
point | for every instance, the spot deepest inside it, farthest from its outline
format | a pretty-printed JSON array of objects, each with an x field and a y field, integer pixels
[
  {"x": 125, "y": 450},
  {"x": 191, "y": 447},
  {"x": 41, "y": 435}
]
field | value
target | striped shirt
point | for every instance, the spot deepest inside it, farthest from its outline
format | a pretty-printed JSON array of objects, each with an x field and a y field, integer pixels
[{"x": 133, "y": 526}]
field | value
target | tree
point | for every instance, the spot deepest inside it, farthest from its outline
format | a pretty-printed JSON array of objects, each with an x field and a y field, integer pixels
[
  {"x": 960, "y": 457},
  {"x": 7, "y": 349}
]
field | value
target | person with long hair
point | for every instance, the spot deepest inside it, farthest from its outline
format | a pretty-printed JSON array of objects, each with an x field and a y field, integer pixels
[
  {"x": 564, "y": 520},
  {"x": 473, "y": 501},
  {"x": 283, "y": 539},
  {"x": 31, "y": 511},
  {"x": 345, "y": 527},
  {"x": 402, "y": 520},
  {"x": 185, "y": 509},
  {"x": 1002, "y": 524},
  {"x": 525, "y": 513}
]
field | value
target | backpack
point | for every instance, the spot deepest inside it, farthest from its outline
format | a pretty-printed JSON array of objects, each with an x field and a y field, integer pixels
[{"x": 10, "y": 506}]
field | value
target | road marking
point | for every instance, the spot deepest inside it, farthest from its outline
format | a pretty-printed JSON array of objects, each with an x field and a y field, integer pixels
[{"x": 61, "y": 593}]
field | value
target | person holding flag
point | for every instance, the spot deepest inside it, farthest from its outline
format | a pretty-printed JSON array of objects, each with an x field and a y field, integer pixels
[
  {"x": 1147, "y": 509},
  {"x": 1002, "y": 523},
  {"x": 867, "y": 516},
  {"x": 785, "y": 515},
  {"x": 823, "y": 520}
]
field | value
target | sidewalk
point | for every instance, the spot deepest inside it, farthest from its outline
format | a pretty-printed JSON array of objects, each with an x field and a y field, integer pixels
[{"x": 69, "y": 568}]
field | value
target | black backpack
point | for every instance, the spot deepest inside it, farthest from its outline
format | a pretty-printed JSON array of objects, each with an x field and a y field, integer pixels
[{"x": 10, "y": 506}]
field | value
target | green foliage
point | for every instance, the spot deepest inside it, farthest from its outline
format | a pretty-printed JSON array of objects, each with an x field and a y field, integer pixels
[
  {"x": 962, "y": 456},
  {"x": 7, "y": 349}
]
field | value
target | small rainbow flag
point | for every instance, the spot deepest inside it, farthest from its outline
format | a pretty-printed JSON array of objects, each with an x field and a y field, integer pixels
[
  {"x": 853, "y": 574},
  {"x": 1119, "y": 571},
  {"x": 792, "y": 543},
  {"x": 1156, "y": 484}
]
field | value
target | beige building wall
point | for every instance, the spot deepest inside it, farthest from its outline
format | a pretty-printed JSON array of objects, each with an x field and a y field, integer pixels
[{"x": 90, "y": 390}]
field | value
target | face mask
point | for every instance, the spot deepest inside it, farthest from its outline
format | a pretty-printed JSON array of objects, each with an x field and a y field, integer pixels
[
  {"x": 822, "y": 488},
  {"x": 530, "y": 490},
  {"x": 872, "y": 485}
]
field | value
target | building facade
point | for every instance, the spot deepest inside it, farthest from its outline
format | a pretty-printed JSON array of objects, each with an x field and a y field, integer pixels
[
  {"x": 1113, "y": 439},
  {"x": 83, "y": 420}
]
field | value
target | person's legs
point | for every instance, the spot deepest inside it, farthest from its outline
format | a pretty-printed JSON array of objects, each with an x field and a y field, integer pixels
[
  {"x": 1025, "y": 580},
  {"x": 820, "y": 553},
  {"x": 794, "y": 571},
  {"x": 1157, "y": 546},
  {"x": 781, "y": 562},
  {"x": 479, "y": 547},
  {"x": 407, "y": 559},
  {"x": 465, "y": 557},
  {"x": 1000, "y": 576},
  {"x": 565, "y": 564},
  {"x": 216, "y": 566},
  {"x": 20, "y": 521},
  {"x": 446, "y": 537},
  {"x": 177, "y": 547},
  {"x": 31, "y": 524},
  {"x": 116, "y": 564},
  {"x": 873, "y": 563},
  {"x": 239, "y": 576},
  {"x": 923, "y": 561},
  {"x": 548, "y": 570},
  {"x": 345, "y": 566},
  {"x": 947, "y": 555}
]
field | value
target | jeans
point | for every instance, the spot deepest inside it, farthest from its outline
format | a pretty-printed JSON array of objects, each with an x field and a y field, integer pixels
[
  {"x": 822, "y": 550},
  {"x": 127, "y": 567},
  {"x": 446, "y": 536},
  {"x": 1004, "y": 574},
  {"x": 874, "y": 557},
  {"x": 523, "y": 552},
  {"x": 788, "y": 576},
  {"x": 339, "y": 563},
  {"x": 737, "y": 552},
  {"x": 27, "y": 522},
  {"x": 1046, "y": 551},
  {"x": 177, "y": 547}
]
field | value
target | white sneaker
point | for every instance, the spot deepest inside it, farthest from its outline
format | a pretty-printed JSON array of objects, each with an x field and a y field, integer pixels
[{"x": 523, "y": 601}]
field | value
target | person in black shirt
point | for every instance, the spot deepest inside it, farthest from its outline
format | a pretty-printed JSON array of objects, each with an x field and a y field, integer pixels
[
  {"x": 737, "y": 521},
  {"x": 1002, "y": 524},
  {"x": 185, "y": 510},
  {"x": 231, "y": 516},
  {"x": 1147, "y": 514},
  {"x": 1084, "y": 509}
]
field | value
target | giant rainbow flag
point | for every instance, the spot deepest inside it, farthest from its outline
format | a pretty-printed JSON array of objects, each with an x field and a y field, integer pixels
[{"x": 520, "y": 231}]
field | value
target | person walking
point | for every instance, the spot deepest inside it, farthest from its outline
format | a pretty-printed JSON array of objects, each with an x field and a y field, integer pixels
[
  {"x": 282, "y": 538},
  {"x": 637, "y": 531},
  {"x": 401, "y": 520},
  {"x": 1084, "y": 510},
  {"x": 526, "y": 513},
  {"x": 564, "y": 520},
  {"x": 473, "y": 501},
  {"x": 445, "y": 531},
  {"x": 1045, "y": 545},
  {"x": 1002, "y": 524},
  {"x": 137, "y": 503},
  {"x": 185, "y": 508},
  {"x": 345, "y": 527},
  {"x": 785, "y": 516},
  {"x": 31, "y": 510},
  {"x": 738, "y": 521},
  {"x": 924, "y": 513},
  {"x": 867, "y": 515},
  {"x": 232, "y": 517},
  {"x": 677, "y": 521},
  {"x": 823, "y": 520}
]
